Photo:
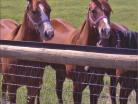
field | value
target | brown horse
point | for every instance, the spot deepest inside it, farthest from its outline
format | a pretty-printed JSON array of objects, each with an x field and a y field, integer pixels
[
  {"x": 97, "y": 24},
  {"x": 10, "y": 25},
  {"x": 36, "y": 26},
  {"x": 127, "y": 79}
]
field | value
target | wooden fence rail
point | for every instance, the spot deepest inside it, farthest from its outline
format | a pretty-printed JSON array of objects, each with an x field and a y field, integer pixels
[{"x": 126, "y": 62}]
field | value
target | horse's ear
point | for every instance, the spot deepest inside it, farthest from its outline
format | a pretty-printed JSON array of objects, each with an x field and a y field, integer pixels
[
  {"x": 92, "y": 5},
  {"x": 28, "y": 2}
]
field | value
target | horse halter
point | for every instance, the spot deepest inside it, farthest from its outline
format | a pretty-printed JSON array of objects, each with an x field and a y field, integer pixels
[
  {"x": 93, "y": 23},
  {"x": 37, "y": 24}
]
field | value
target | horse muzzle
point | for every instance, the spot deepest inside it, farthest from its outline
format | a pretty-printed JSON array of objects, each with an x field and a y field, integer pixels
[
  {"x": 48, "y": 34},
  {"x": 105, "y": 33}
]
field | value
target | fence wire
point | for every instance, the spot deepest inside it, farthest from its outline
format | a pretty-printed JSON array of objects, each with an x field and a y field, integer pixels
[{"x": 90, "y": 79}]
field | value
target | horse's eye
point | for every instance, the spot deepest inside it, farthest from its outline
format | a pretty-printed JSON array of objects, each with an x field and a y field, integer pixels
[
  {"x": 93, "y": 11},
  {"x": 103, "y": 9},
  {"x": 34, "y": 12}
]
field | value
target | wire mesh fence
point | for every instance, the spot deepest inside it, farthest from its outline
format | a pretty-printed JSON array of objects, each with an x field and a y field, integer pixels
[{"x": 30, "y": 82}]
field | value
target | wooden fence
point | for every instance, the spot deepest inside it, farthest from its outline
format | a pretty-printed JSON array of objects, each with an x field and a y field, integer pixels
[{"x": 126, "y": 62}]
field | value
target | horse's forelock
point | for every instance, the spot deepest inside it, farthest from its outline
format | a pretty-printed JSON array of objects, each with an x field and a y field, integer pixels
[
  {"x": 101, "y": 3},
  {"x": 107, "y": 5},
  {"x": 47, "y": 6},
  {"x": 34, "y": 5},
  {"x": 97, "y": 3}
]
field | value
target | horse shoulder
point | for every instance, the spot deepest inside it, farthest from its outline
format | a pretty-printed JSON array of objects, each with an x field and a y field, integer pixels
[
  {"x": 62, "y": 25},
  {"x": 62, "y": 31},
  {"x": 7, "y": 27}
]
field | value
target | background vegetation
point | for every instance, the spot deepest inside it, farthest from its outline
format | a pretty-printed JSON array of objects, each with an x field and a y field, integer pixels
[{"x": 124, "y": 12}]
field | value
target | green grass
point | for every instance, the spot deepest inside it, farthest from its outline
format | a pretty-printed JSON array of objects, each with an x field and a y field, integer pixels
[{"x": 124, "y": 12}]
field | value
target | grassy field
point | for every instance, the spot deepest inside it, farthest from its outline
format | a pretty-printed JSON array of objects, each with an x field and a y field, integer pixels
[{"x": 124, "y": 12}]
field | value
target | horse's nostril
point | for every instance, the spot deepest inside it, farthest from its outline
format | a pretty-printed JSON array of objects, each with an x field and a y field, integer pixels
[
  {"x": 104, "y": 30},
  {"x": 50, "y": 34},
  {"x": 46, "y": 35}
]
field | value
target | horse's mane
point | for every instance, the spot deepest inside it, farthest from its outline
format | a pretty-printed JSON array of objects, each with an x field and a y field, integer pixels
[
  {"x": 78, "y": 33},
  {"x": 130, "y": 39},
  {"x": 16, "y": 31}
]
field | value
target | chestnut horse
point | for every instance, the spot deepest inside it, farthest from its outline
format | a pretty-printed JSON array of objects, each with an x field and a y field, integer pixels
[
  {"x": 128, "y": 79},
  {"x": 96, "y": 25},
  {"x": 36, "y": 26}
]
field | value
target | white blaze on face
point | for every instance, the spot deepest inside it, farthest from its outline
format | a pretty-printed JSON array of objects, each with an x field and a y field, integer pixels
[
  {"x": 104, "y": 29},
  {"x": 106, "y": 23},
  {"x": 45, "y": 19}
]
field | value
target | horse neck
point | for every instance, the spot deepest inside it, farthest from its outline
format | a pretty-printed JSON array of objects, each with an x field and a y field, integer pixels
[
  {"x": 130, "y": 39},
  {"x": 26, "y": 33},
  {"x": 127, "y": 39},
  {"x": 86, "y": 35}
]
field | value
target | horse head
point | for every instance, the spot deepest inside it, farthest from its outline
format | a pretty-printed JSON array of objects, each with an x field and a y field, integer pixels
[
  {"x": 38, "y": 18},
  {"x": 99, "y": 17}
]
